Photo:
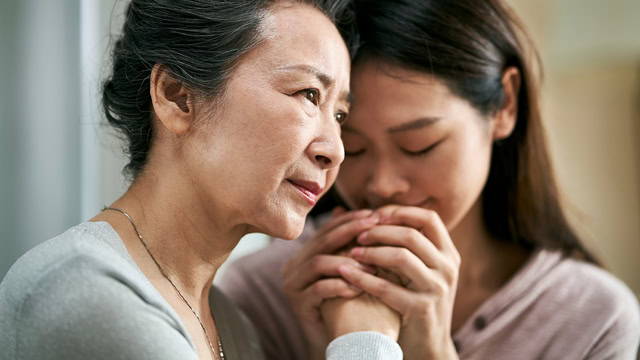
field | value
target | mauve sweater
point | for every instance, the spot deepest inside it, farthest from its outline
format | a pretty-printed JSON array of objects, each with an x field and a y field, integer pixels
[{"x": 552, "y": 308}]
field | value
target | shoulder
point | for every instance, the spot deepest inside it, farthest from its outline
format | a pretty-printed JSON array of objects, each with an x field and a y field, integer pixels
[
  {"x": 83, "y": 251},
  {"x": 74, "y": 251},
  {"x": 574, "y": 279},
  {"x": 254, "y": 284},
  {"x": 595, "y": 302},
  {"x": 237, "y": 333},
  {"x": 75, "y": 296}
]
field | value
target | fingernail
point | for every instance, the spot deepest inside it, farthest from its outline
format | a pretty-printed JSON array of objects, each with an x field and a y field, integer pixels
[
  {"x": 370, "y": 220},
  {"x": 362, "y": 237},
  {"x": 357, "y": 251}
]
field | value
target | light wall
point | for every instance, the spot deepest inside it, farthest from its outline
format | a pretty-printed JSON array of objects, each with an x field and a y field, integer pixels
[
  {"x": 39, "y": 123},
  {"x": 591, "y": 106}
]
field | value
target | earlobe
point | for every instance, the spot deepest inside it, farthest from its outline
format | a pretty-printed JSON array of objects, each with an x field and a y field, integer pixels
[
  {"x": 505, "y": 119},
  {"x": 171, "y": 101}
]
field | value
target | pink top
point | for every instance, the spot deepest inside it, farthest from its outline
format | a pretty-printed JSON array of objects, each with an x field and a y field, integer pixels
[{"x": 552, "y": 308}]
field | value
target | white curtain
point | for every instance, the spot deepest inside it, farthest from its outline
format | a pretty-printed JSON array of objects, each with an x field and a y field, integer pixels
[
  {"x": 59, "y": 164},
  {"x": 51, "y": 162}
]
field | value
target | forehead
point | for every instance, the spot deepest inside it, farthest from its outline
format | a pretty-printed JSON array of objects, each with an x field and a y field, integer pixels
[
  {"x": 300, "y": 34},
  {"x": 396, "y": 94}
]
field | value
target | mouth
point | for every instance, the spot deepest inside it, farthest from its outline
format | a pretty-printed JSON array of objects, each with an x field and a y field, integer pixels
[{"x": 309, "y": 190}]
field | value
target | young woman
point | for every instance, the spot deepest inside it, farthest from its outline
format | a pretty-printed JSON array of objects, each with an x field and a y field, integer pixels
[
  {"x": 232, "y": 113},
  {"x": 451, "y": 190}
]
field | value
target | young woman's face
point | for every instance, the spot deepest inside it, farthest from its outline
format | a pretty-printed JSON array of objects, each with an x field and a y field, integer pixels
[
  {"x": 273, "y": 146},
  {"x": 410, "y": 141}
]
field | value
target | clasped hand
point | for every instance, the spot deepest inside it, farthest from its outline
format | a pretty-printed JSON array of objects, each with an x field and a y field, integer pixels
[{"x": 400, "y": 280}]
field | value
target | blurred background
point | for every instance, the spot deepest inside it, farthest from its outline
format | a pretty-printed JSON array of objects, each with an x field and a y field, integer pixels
[{"x": 59, "y": 165}]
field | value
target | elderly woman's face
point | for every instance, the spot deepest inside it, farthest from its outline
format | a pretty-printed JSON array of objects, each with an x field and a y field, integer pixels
[{"x": 273, "y": 146}]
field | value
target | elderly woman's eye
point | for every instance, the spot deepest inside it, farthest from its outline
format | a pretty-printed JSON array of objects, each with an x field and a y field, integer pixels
[
  {"x": 341, "y": 118},
  {"x": 311, "y": 94}
]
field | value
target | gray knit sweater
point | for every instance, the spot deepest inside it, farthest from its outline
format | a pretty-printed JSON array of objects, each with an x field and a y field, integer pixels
[{"x": 81, "y": 296}]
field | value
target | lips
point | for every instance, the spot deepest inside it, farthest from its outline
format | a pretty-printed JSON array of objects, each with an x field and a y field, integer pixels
[{"x": 308, "y": 189}]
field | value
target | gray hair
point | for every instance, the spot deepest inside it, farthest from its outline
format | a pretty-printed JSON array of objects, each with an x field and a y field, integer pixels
[{"x": 198, "y": 42}]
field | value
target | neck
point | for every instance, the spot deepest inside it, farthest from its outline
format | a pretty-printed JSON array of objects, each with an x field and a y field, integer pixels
[
  {"x": 186, "y": 238},
  {"x": 487, "y": 263}
]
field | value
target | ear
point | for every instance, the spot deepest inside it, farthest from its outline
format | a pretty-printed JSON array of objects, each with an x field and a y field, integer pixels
[
  {"x": 172, "y": 103},
  {"x": 505, "y": 119}
]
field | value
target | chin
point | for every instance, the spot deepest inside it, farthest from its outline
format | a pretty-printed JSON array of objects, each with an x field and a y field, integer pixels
[{"x": 287, "y": 227}]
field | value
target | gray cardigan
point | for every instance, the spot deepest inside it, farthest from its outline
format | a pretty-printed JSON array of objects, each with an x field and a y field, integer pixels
[{"x": 80, "y": 295}]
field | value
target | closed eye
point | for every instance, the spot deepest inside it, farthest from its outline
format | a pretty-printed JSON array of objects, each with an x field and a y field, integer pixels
[
  {"x": 421, "y": 152},
  {"x": 354, "y": 153}
]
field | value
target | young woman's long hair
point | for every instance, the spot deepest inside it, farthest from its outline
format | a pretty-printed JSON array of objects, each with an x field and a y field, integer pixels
[{"x": 468, "y": 44}]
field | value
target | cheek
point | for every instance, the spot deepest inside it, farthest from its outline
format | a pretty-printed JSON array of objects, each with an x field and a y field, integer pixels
[
  {"x": 247, "y": 153},
  {"x": 267, "y": 138},
  {"x": 459, "y": 177}
]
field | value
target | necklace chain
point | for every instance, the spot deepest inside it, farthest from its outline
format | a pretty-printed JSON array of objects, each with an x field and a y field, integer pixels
[{"x": 221, "y": 356}]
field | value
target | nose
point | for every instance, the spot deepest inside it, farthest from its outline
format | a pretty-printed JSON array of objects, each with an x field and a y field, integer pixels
[
  {"x": 326, "y": 150},
  {"x": 385, "y": 182}
]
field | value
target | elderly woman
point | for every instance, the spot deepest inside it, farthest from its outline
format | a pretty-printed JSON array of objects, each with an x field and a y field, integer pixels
[{"x": 232, "y": 111}]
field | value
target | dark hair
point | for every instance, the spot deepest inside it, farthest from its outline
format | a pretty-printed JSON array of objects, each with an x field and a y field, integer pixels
[
  {"x": 198, "y": 42},
  {"x": 468, "y": 44}
]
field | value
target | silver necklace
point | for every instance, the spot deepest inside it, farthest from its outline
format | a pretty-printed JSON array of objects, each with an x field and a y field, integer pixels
[{"x": 221, "y": 356}]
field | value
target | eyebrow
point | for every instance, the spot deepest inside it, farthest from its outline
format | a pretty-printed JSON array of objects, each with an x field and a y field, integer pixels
[
  {"x": 414, "y": 125},
  {"x": 326, "y": 80}
]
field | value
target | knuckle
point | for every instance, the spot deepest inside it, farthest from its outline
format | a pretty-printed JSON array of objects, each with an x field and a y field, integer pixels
[
  {"x": 407, "y": 232},
  {"x": 414, "y": 237},
  {"x": 457, "y": 258},
  {"x": 383, "y": 289},
  {"x": 401, "y": 257},
  {"x": 430, "y": 216},
  {"x": 432, "y": 213},
  {"x": 397, "y": 257},
  {"x": 450, "y": 273},
  {"x": 439, "y": 288}
]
